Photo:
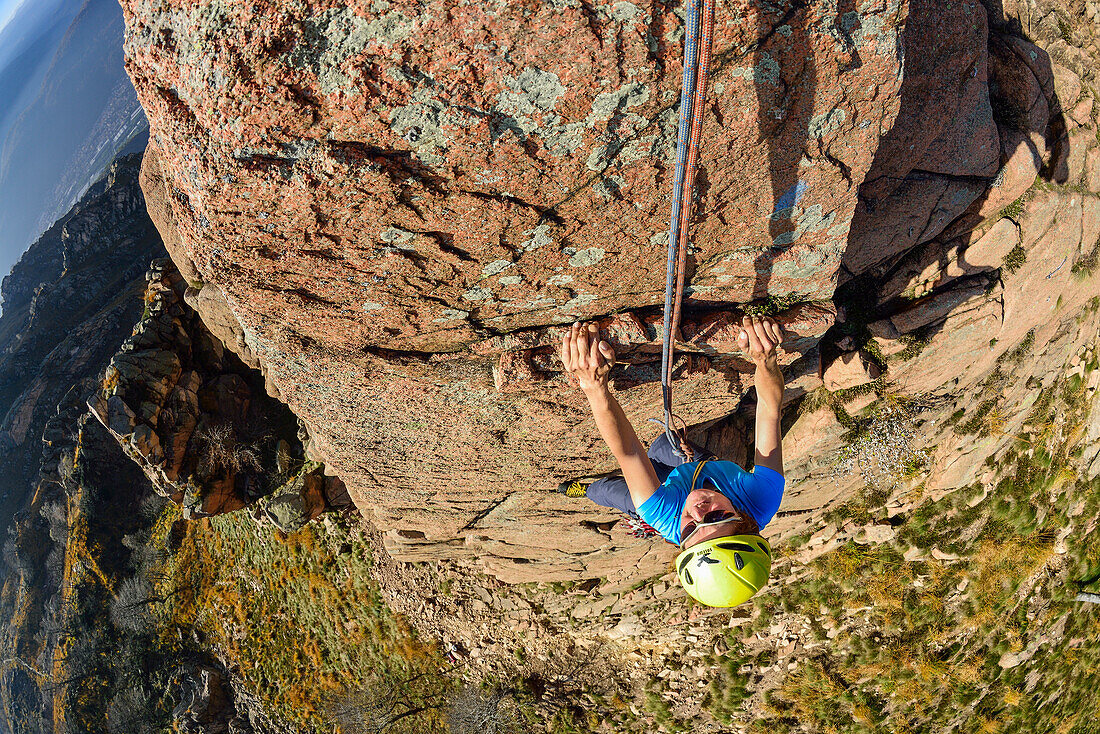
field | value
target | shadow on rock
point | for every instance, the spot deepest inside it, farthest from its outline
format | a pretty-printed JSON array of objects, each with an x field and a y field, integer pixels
[
  {"x": 979, "y": 120},
  {"x": 785, "y": 94}
]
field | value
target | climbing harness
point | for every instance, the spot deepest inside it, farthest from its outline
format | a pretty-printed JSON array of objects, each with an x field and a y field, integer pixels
[{"x": 697, "y": 44}]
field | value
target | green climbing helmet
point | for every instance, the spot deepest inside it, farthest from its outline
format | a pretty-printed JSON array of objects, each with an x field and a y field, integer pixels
[{"x": 725, "y": 572}]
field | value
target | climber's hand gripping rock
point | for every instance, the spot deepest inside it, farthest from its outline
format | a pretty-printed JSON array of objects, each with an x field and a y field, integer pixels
[
  {"x": 587, "y": 357},
  {"x": 759, "y": 337}
]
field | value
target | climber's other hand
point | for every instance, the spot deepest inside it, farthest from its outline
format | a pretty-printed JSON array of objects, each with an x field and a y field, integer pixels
[
  {"x": 586, "y": 356},
  {"x": 760, "y": 336}
]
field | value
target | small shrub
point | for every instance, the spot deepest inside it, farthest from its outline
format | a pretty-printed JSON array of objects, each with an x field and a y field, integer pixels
[
  {"x": 110, "y": 381},
  {"x": 773, "y": 305},
  {"x": 1012, "y": 357},
  {"x": 1015, "y": 259},
  {"x": 130, "y": 608},
  {"x": 221, "y": 451},
  {"x": 1065, "y": 30},
  {"x": 914, "y": 345},
  {"x": 883, "y": 450},
  {"x": 1086, "y": 266},
  {"x": 129, "y": 712},
  {"x": 475, "y": 712}
]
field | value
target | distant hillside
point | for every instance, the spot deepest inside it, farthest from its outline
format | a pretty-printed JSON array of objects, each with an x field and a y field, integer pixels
[
  {"x": 68, "y": 304},
  {"x": 24, "y": 60},
  {"x": 83, "y": 113}
]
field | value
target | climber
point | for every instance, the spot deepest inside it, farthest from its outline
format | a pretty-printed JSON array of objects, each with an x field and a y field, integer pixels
[{"x": 712, "y": 509}]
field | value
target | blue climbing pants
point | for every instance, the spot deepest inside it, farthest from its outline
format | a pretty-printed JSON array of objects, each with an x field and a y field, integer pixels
[{"x": 612, "y": 491}]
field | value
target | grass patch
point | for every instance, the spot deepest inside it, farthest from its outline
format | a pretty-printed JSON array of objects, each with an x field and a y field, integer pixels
[
  {"x": 835, "y": 401},
  {"x": 773, "y": 305},
  {"x": 288, "y": 611},
  {"x": 1065, "y": 30},
  {"x": 928, "y": 635},
  {"x": 1086, "y": 265},
  {"x": 1014, "y": 210},
  {"x": 914, "y": 345},
  {"x": 1015, "y": 355}
]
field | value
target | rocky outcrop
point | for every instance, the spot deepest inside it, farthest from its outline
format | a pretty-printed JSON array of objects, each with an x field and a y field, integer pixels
[
  {"x": 68, "y": 305},
  {"x": 364, "y": 149},
  {"x": 197, "y": 421},
  {"x": 205, "y": 702},
  {"x": 985, "y": 317},
  {"x": 383, "y": 215},
  {"x": 390, "y": 209}
]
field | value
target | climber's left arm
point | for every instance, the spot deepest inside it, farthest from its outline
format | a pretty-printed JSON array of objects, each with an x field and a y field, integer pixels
[{"x": 760, "y": 337}]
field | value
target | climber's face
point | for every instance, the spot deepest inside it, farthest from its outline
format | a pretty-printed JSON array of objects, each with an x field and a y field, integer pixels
[{"x": 702, "y": 502}]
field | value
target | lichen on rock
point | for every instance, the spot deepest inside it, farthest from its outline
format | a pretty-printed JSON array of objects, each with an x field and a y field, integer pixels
[{"x": 381, "y": 190}]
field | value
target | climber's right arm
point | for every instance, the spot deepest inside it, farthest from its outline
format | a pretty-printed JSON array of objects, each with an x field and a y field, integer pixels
[
  {"x": 590, "y": 360},
  {"x": 618, "y": 433}
]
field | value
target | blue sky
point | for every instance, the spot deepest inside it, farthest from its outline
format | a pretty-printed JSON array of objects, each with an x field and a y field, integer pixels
[{"x": 7, "y": 10}]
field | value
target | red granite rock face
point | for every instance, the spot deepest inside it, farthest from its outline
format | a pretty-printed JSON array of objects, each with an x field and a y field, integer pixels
[
  {"x": 379, "y": 191},
  {"x": 413, "y": 175}
]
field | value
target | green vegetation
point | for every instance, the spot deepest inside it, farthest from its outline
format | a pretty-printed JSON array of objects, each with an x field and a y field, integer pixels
[
  {"x": 310, "y": 634},
  {"x": 773, "y": 305},
  {"x": 914, "y": 345},
  {"x": 1086, "y": 265},
  {"x": 835, "y": 401},
  {"x": 71, "y": 559},
  {"x": 1015, "y": 209},
  {"x": 1065, "y": 30},
  {"x": 1015, "y": 259},
  {"x": 988, "y": 639},
  {"x": 879, "y": 444},
  {"x": 291, "y": 611}
]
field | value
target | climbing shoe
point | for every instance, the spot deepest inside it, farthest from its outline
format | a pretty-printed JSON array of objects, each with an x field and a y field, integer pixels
[{"x": 574, "y": 488}]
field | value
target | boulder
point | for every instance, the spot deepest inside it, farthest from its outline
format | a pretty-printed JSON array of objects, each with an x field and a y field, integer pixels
[
  {"x": 989, "y": 252},
  {"x": 296, "y": 502},
  {"x": 209, "y": 302},
  {"x": 850, "y": 370},
  {"x": 1021, "y": 91},
  {"x": 957, "y": 351},
  {"x": 875, "y": 534},
  {"x": 944, "y": 147},
  {"x": 936, "y": 264},
  {"x": 1092, "y": 171},
  {"x": 205, "y": 702},
  {"x": 1082, "y": 114},
  {"x": 1080, "y": 143},
  {"x": 1022, "y": 153},
  {"x": 1014, "y": 85},
  {"x": 499, "y": 157},
  {"x": 1067, "y": 86},
  {"x": 810, "y": 448},
  {"x": 936, "y": 308}
]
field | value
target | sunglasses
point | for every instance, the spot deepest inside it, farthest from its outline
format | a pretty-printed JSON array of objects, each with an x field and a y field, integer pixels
[{"x": 714, "y": 517}]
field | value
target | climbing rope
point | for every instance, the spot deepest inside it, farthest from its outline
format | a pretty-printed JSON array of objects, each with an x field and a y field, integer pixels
[{"x": 697, "y": 44}]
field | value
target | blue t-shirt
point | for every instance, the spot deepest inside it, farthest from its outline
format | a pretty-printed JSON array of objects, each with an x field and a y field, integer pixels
[{"x": 758, "y": 494}]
